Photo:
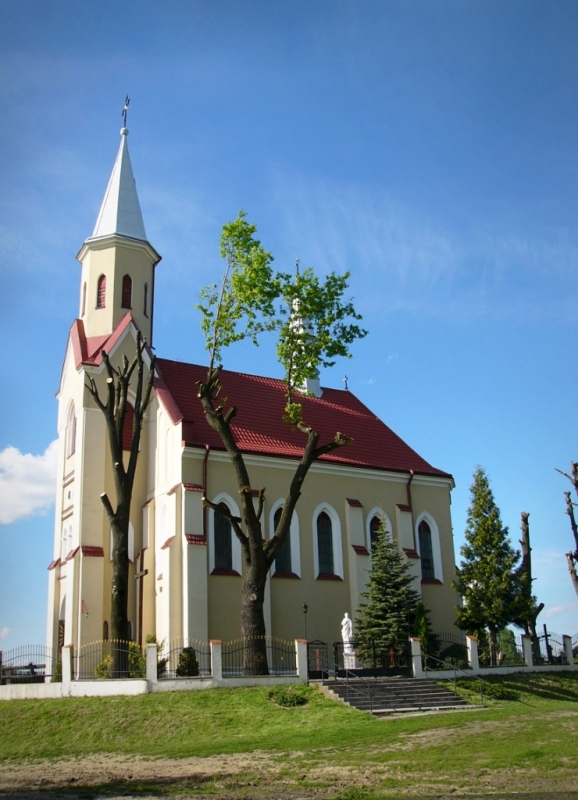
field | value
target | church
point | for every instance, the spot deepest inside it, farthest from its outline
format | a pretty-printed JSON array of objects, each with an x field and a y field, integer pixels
[{"x": 186, "y": 564}]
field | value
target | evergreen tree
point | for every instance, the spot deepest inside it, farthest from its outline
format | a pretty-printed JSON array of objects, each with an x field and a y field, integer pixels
[
  {"x": 385, "y": 621},
  {"x": 487, "y": 580},
  {"x": 422, "y": 630}
]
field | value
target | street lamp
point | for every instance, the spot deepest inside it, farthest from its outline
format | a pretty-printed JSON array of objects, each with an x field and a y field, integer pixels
[{"x": 304, "y": 609}]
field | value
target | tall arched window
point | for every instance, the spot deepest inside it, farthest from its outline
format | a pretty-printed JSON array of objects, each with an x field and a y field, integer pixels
[
  {"x": 283, "y": 558},
  {"x": 426, "y": 550},
  {"x": 105, "y": 631},
  {"x": 146, "y": 300},
  {"x": 83, "y": 304},
  {"x": 374, "y": 528},
  {"x": 126, "y": 292},
  {"x": 71, "y": 432},
  {"x": 223, "y": 543},
  {"x": 101, "y": 292},
  {"x": 325, "y": 544},
  {"x": 127, "y": 427}
]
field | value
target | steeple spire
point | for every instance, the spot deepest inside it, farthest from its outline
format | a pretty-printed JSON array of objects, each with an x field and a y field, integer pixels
[{"x": 120, "y": 212}]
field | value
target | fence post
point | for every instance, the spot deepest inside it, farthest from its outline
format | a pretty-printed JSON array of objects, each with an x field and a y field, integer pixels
[
  {"x": 416, "y": 665},
  {"x": 567, "y": 644},
  {"x": 67, "y": 668},
  {"x": 473, "y": 657},
  {"x": 301, "y": 657},
  {"x": 527, "y": 650},
  {"x": 216, "y": 660},
  {"x": 152, "y": 658}
]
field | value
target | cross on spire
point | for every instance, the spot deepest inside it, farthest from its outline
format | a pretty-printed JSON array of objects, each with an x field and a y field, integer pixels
[{"x": 125, "y": 109}]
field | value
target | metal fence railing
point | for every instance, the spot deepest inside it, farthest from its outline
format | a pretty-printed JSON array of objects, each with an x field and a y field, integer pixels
[
  {"x": 446, "y": 650},
  {"x": 372, "y": 659},
  {"x": 109, "y": 659},
  {"x": 184, "y": 658},
  {"x": 29, "y": 664},
  {"x": 237, "y": 656},
  {"x": 551, "y": 648}
]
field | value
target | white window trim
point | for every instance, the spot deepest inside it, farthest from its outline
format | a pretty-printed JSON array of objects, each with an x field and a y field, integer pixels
[
  {"x": 130, "y": 543},
  {"x": 336, "y": 535},
  {"x": 237, "y": 559},
  {"x": 293, "y": 535},
  {"x": 71, "y": 431},
  {"x": 376, "y": 512},
  {"x": 435, "y": 543}
]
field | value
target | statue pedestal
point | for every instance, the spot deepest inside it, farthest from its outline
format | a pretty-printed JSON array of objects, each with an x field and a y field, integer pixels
[{"x": 349, "y": 660}]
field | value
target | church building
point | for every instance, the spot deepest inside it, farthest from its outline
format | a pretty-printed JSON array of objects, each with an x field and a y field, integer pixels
[{"x": 186, "y": 563}]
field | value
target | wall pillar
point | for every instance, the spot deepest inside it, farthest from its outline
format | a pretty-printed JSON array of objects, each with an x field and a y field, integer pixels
[
  {"x": 473, "y": 657},
  {"x": 152, "y": 658},
  {"x": 216, "y": 660},
  {"x": 301, "y": 658},
  {"x": 416, "y": 663},
  {"x": 527, "y": 650},
  {"x": 67, "y": 669},
  {"x": 569, "y": 655}
]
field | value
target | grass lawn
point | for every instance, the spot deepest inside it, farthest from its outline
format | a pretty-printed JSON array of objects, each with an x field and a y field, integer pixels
[{"x": 239, "y": 742}]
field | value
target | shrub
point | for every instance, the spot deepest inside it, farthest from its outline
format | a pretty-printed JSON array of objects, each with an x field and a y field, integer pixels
[
  {"x": 101, "y": 670},
  {"x": 136, "y": 661},
  {"x": 286, "y": 696},
  {"x": 188, "y": 665}
]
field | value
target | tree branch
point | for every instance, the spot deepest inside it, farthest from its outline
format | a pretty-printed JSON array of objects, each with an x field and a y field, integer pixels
[{"x": 108, "y": 507}]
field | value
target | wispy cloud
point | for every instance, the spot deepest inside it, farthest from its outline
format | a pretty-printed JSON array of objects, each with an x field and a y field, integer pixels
[
  {"x": 402, "y": 259},
  {"x": 557, "y": 611},
  {"x": 27, "y": 482},
  {"x": 5, "y": 632}
]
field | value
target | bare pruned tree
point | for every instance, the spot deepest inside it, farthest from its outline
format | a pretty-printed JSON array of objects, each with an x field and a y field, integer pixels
[
  {"x": 572, "y": 555},
  {"x": 114, "y": 408},
  {"x": 530, "y": 606}
]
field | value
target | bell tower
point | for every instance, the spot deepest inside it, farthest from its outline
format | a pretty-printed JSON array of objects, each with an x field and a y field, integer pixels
[{"x": 118, "y": 262}]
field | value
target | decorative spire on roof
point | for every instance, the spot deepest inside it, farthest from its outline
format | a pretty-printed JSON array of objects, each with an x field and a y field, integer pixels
[{"x": 120, "y": 211}]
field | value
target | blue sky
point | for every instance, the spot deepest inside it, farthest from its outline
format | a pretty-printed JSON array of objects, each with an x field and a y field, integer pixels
[{"x": 429, "y": 147}]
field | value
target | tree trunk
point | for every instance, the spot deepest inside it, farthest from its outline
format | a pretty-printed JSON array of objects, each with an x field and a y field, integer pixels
[
  {"x": 572, "y": 570},
  {"x": 493, "y": 647},
  {"x": 533, "y": 609},
  {"x": 253, "y": 621}
]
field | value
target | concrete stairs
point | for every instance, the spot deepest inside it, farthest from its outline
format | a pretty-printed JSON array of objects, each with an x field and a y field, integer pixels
[{"x": 393, "y": 695}]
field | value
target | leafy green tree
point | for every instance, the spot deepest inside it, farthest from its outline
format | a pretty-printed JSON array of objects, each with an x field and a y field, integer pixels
[
  {"x": 385, "y": 622},
  {"x": 313, "y": 326},
  {"x": 487, "y": 580}
]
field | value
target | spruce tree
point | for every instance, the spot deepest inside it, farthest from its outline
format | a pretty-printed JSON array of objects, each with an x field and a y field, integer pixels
[
  {"x": 385, "y": 621},
  {"x": 487, "y": 580}
]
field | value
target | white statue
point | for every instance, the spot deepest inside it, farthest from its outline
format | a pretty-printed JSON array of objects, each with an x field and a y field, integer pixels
[{"x": 347, "y": 633}]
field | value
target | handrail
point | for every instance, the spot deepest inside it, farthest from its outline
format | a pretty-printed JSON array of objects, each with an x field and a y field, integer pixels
[{"x": 449, "y": 665}]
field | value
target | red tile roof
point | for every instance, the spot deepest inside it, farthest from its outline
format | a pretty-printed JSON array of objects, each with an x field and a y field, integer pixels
[{"x": 259, "y": 427}]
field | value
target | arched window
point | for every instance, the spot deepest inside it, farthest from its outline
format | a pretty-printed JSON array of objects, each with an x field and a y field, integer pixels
[
  {"x": 146, "y": 300},
  {"x": 129, "y": 631},
  {"x": 283, "y": 558},
  {"x": 71, "y": 432},
  {"x": 325, "y": 544},
  {"x": 83, "y": 304},
  {"x": 127, "y": 427},
  {"x": 374, "y": 528},
  {"x": 105, "y": 631},
  {"x": 223, "y": 544},
  {"x": 426, "y": 551},
  {"x": 126, "y": 292},
  {"x": 101, "y": 292}
]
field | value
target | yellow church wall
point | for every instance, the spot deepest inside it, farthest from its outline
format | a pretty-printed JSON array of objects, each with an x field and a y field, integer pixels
[{"x": 327, "y": 599}]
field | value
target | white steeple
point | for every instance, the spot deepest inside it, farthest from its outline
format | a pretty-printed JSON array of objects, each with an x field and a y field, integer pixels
[{"x": 120, "y": 212}]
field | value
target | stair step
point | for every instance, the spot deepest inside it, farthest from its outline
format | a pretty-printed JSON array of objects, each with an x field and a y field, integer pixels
[{"x": 395, "y": 695}]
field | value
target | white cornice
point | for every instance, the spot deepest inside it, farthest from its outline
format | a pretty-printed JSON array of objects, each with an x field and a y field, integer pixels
[
  {"x": 324, "y": 468},
  {"x": 116, "y": 240}
]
